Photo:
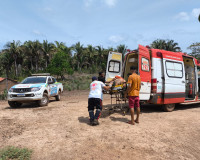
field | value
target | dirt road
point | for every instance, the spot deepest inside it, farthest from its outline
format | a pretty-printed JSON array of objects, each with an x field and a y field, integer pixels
[{"x": 61, "y": 131}]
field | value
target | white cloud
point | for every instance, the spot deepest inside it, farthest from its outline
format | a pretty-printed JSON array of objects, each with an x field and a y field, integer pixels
[
  {"x": 196, "y": 12},
  {"x": 183, "y": 16},
  {"x": 36, "y": 32},
  {"x": 47, "y": 9},
  {"x": 116, "y": 38},
  {"x": 110, "y": 3},
  {"x": 88, "y": 3}
]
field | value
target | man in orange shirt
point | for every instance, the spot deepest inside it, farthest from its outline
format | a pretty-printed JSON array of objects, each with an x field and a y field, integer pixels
[{"x": 134, "y": 85}]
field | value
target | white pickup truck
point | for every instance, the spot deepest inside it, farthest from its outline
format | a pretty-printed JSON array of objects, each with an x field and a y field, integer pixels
[{"x": 38, "y": 87}]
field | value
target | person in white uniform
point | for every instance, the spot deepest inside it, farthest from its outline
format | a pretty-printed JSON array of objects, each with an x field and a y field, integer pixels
[{"x": 94, "y": 100}]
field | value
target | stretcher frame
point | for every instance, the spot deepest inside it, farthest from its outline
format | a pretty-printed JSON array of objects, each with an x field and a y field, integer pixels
[{"x": 120, "y": 102}]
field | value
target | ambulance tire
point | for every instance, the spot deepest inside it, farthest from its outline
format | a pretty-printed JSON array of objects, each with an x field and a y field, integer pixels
[
  {"x": 14, "y": 104},
  {"x": 44, "y": 101},
  {"x": 168, "y": 107}
]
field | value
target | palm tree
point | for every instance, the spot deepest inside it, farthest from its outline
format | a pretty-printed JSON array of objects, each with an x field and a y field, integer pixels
[
  {"x": 60, "y": 45},
  {"x": 6, "y": 61},
  {"x": 78, "y": 48},
  {"x": 47, "y": 49},
  {"x": 28, "y": 50},
  {"x": 100, "y": 53},
  {"x": 15, "y": 51},
  {"x": 37, "y": 52},
  {"x": 122, "y": 49},
  {"x": 168, "y": 45},
  {"x": 159, "y": 44},
  {"x": 172, "y": 46},
  {"x": 91, "y": 53}
]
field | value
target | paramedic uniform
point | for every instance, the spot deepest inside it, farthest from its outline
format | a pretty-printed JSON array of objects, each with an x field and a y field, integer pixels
[{"x": 94, "y": 99}]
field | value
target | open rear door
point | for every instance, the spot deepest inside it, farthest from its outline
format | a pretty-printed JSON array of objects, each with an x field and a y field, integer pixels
[
  {"x": 144, "y": 72},
  {"x": 114, "y": 65},
  {"x": 174, "y": 78}
]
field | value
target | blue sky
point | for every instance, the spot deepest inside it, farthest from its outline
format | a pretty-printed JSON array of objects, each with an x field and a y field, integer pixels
[{"x": 100, "y": 22}]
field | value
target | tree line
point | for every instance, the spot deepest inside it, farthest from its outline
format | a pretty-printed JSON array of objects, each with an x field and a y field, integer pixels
[{"x": 21, "y": 59}]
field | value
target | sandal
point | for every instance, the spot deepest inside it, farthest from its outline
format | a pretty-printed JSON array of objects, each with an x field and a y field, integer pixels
[{"x": 129, "y": 122}]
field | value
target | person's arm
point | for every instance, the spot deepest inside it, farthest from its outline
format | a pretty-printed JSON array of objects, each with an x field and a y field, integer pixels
[
  {"x": 106, "y": 87},
  {"x": 129, "y": 83},
  {"x": 110, "y": 80}
]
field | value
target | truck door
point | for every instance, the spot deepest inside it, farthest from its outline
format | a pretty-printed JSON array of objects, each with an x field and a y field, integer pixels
[
  {"x": 114, "y": 65},
  {"x": 52, "y": 87},
  {"x": 144, "y": 72},
  {"x": 174, "y": 79}
]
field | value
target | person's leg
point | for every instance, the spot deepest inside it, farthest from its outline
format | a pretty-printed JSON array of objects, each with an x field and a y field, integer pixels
[
  {"x": 131, "y": 106},
  {"x": 137, "y": 105},
  {"x": 91, "y": 109},
  {"x": 102, "y": 100},
  {"x": 98, "y": 110}
]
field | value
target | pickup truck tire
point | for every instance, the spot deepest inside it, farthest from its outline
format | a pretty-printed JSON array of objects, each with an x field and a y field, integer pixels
[
  {"x": 168, "y": 107},
  {"x": 58, "y": 97},
  {"x": 44, "y": 101},
  {"x": 14, "y": 104}
]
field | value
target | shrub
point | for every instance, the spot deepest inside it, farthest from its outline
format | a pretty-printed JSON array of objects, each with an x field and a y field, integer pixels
[{"x": 16, "y": 153}]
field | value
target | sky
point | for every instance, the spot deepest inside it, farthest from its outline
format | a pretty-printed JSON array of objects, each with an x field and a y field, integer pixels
[{"x": 107, "y": 23}]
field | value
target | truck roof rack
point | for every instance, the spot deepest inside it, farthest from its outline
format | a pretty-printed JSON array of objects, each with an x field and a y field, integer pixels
[{"x": 41, "y": 74}]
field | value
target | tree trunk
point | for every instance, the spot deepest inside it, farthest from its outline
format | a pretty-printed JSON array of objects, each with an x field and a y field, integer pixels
[
  {"x": 16, "y": 70},
  {"x": 36, "y": 65},
  {"x": 31, "y": 64}
]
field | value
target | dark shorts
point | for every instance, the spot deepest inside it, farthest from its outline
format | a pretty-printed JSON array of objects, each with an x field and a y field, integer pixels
[
  {"x": 134, "y": 101},
  {"x": 94, "y": 102}
]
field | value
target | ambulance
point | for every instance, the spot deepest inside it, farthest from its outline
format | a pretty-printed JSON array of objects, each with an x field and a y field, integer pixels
[{"x": 167, "y": 78}]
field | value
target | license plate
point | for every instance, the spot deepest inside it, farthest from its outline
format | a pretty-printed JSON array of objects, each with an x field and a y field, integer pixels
[{"x": 20, "y": 95}]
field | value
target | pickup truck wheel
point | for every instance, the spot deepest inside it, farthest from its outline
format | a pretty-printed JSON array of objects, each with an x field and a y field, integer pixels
[
  {"x": 58, "y": 97},
  {"x": 44, "y": 101},
  {"x": 168, "y": 107},
  {"x": 14, "y": 104}
]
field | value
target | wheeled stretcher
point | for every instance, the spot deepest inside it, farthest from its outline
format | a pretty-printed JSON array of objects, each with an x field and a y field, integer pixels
[{"x": 118, "y": 93}]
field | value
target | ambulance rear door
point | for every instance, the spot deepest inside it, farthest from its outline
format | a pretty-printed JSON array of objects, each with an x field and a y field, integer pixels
[
  {"x": 144, "y": 70},
  {"x": 114, "y": 65},
  {"x": 174, "y": 78}
]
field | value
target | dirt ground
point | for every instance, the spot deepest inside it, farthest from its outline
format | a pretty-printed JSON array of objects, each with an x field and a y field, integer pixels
[{"x": 60, "y": 131}]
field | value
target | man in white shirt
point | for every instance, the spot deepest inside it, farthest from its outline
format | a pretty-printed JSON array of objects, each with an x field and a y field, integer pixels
[{"x": 94, "y": 100}]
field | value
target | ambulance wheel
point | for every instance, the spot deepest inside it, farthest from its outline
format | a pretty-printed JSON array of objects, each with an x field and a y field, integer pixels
[
  {"x": 58, "y": 97},
  {"x": 14, "y": 104},
  {"x": 44, "y": 101},
  {"x": 168, "y": 107}
]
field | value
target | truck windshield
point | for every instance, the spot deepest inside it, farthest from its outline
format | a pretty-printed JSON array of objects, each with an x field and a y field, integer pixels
[{"x": 31, "y": 80}]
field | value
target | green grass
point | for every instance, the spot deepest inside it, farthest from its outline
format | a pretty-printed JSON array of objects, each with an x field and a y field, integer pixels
[
  {"x": 77, "y": 82},
  {"x": 15, "y": 153}
]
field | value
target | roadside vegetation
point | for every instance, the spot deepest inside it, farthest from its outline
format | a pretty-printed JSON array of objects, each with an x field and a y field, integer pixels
[
  {"x": 15, "y": 153},
  {"x": 73, "y": 65}
]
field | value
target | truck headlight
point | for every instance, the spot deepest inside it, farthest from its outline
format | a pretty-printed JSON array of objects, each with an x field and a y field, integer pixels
[
  {"x": 35, "y": 89},
  {"x": 10, "y": 90}
]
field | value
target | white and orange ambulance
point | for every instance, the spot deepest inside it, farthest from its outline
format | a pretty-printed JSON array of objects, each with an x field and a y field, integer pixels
[{"x": 167, "y": 78}]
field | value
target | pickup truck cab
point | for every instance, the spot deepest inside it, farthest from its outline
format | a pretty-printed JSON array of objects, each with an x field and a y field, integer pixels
[{"x": 38, "y": 87}]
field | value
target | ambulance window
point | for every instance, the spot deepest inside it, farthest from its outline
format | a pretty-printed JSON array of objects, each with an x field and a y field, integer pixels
[
  {"x": 174, "y": 69},
  {"x": 114, "y": 66},
  {"x": 145, "y": 64}
]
